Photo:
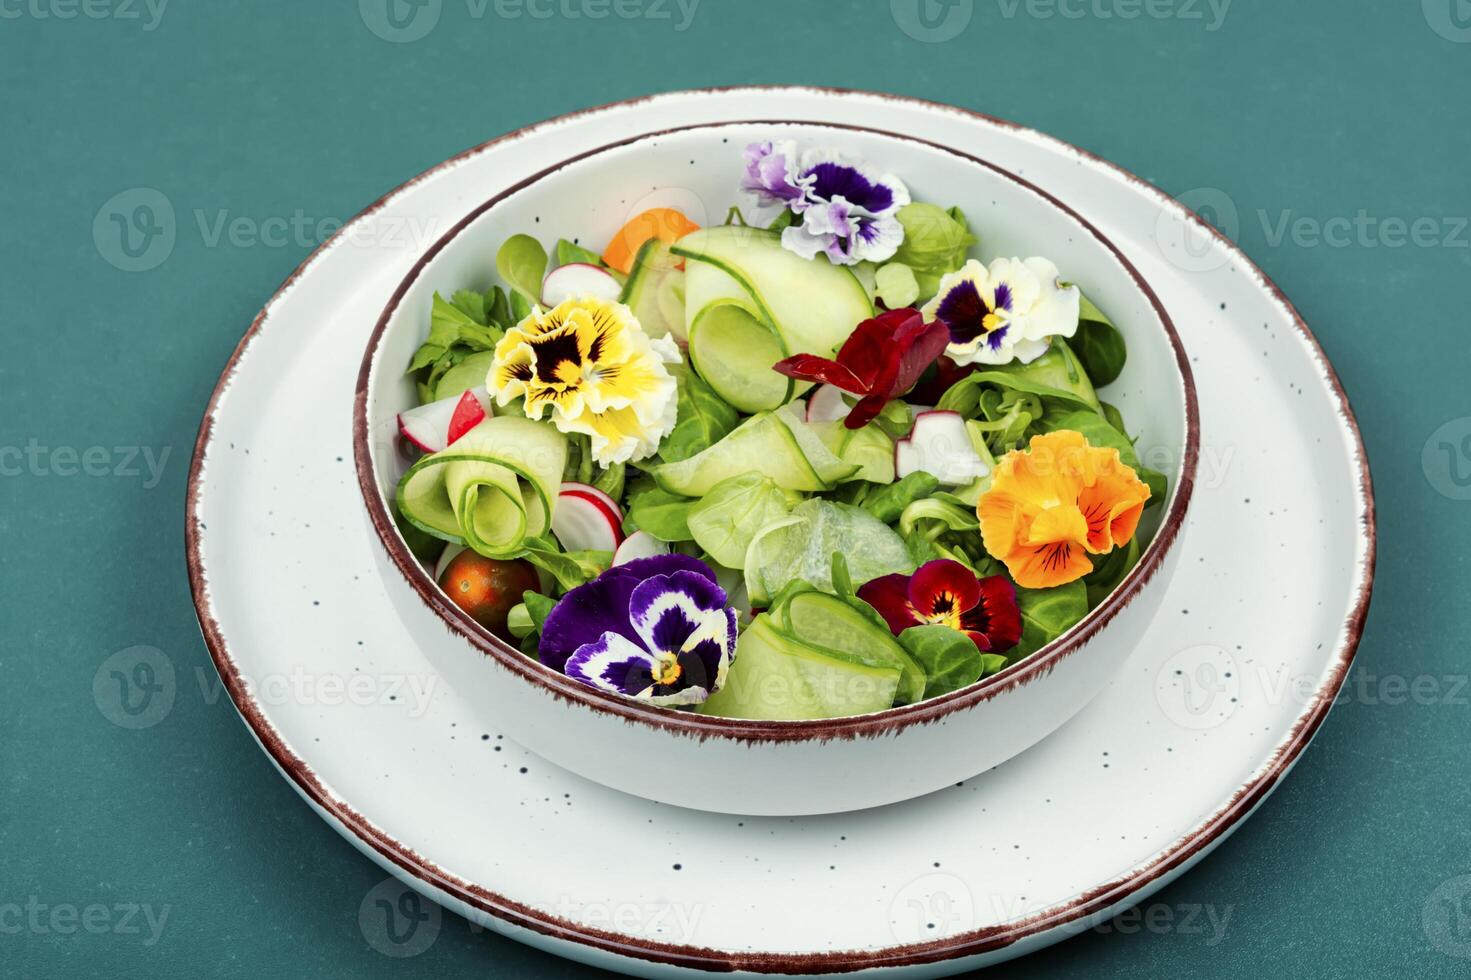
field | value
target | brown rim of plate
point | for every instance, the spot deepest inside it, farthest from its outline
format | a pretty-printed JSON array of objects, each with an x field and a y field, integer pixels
[
  {"x": 882, "y": 723},
  {"x": 1183, "y": 852}
]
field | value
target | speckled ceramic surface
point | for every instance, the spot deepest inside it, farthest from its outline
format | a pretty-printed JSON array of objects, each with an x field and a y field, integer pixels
[{"x": 1222, "y": 694}]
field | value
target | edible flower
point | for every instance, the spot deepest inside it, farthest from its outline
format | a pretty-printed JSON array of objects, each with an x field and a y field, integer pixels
[
  {"x": 589, "y": 363},
  {"x": 1056, "y": 503},
  {"x": 843, "y": 208},
  {"x": 1008, "y": 311},
  {"x": 880, "y": 360},
  {"x": 946, "y": 593},
  {"x": 657, "y": 629}
]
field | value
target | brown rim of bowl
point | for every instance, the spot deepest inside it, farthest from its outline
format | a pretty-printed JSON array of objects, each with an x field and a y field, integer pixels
[
  {"x": 1192, "y": 845},
  {"x": 887, "y": 722}
]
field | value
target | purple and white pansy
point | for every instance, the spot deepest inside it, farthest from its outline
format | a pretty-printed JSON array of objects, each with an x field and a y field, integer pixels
[
  {"x": 1008, "y": 311},
  {"x": 845, "y": 209},
  {"x": 658, "y": 630}
]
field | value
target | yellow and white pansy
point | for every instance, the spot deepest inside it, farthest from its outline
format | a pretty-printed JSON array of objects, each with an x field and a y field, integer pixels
[
  {"x": 1008, "y": 311},
  {"x": 589, "y": 363}
]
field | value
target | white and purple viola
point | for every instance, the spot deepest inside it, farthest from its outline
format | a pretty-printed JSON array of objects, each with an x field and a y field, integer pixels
[
  {"x": 840, "y": 207},
  {"x": 657, "y": 629}
]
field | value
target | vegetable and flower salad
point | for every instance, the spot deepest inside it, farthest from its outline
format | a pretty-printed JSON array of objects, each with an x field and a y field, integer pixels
[{"x": 816, "y": 461}]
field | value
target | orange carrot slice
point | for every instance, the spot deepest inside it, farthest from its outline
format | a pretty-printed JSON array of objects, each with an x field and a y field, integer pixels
[{"x": 665, "y": 224}]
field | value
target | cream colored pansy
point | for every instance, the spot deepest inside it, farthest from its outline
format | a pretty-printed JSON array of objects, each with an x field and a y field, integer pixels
[
  {"x": 1009, "y": 311},
  {"x": 589, "y": 363}
]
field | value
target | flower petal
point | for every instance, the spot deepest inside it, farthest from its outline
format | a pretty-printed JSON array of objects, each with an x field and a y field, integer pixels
[
  {"x": 943, "y": 587},
  {"x": 613, "y": 663},
  {"x": 995, "y": 622},
  {"x": 889, "y": 594},
  {"x": 821, "y": 370},
  {"x": 584, "y": 614},
  {"x": 666, "y": 610}
]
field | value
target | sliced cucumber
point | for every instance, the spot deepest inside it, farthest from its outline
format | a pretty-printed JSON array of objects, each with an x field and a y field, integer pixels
[
  {"x": 869, "y": 448},
  {"x": 775, "y": 677},
  {"x": 495, "y": 487},
  {"x": 830, "y": 469},
  {"x": 469, "y": 373},
  {"x": 761, "y": 444},
  {"x": 790, "y": 305},
  {"x": 813, "y": 304},
  {"x": 734, "y": 352},
  {"x": 655, "y": 291},
  {"x": 830, "y": 624}
]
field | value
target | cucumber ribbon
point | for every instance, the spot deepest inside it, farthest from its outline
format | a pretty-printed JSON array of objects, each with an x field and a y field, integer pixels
[{"x": 492, "y": 490}]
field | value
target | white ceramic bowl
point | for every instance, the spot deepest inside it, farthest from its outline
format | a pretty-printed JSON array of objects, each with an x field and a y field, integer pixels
[{"x": 778, "y": 768}]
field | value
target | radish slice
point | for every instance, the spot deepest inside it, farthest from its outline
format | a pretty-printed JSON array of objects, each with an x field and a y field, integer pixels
[
  {"x": 586, "y": 519},
  {"x": 608, "y": 503},
  {"x": 577, "y": 280},
  {"x": 450, "y": 553},
  {"x": 469, "y": 413},
  {"x": 827, "y": 405},
  {"x": 639, "y": 544},
  {"x": 940, "y": 446},
  {"x": 434, "y": 426}
]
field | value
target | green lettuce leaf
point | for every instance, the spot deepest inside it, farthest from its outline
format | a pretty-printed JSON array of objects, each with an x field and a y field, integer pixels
[
  {"x": 569, "y": 253},
  {"x": 1047, "y": 614},
  {"x": 896, "y": 285},
  {"x": 935, "y": 242},
  {"x": 950, "y": 659},
  {"x": 888, "y": 503},
  {"x": 727, "y": 518},
  {"x": 1055, "y": 376},
  {"x": 704, "y": 417},
  {"x": 1099, "y": 345},
  {"x": 522, "y": 263},
  {"x": 569, "y": 568},
  {"x": 663, "y": 514}
]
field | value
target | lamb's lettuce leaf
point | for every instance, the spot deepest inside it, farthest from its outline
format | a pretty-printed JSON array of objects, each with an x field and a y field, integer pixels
[
  {"x": 949, "y": 658},
  {"x": 569, "y": 568},
  {"x": 1047, "y": 614},
  {"x": 570, "y": 253},
  {"x": 1099, "y": 345},
  {"x": 1110, "y": 570},
  {"x": 1056, "y": 376},
  {"x": 888, "y": 503},
  {"x": 522, "y": 263}
]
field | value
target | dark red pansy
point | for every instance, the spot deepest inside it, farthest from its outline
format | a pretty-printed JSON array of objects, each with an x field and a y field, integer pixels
[
  {"x": 933, "y": 385},
  {"x": 946, "y": 593},
  {"x": 880, "y": 361}
]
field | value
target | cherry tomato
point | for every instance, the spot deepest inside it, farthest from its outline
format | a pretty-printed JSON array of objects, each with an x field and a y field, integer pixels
[{"x": 487, "y": 588}]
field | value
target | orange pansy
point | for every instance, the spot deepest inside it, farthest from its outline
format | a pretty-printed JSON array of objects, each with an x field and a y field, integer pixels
[{"x": 1052, "y": 505}]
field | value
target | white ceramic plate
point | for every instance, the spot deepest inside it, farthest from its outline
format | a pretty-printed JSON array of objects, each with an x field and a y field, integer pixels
[{"x": 1228, "y": 686}]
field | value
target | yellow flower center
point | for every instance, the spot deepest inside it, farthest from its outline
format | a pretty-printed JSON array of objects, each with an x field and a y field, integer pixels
[
  {"x": 590, "y": 364},
  {"x": 944, "y": 612},
  {"x": 668, "y": 670}
]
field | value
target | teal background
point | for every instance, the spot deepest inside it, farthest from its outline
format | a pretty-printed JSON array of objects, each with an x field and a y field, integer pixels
[{"x": 1317, "y": 109}]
